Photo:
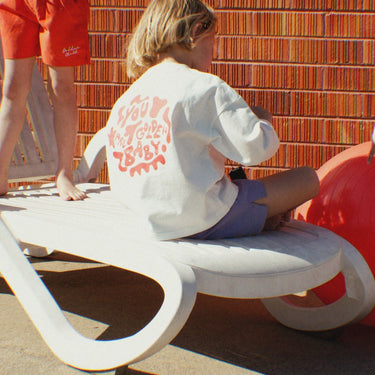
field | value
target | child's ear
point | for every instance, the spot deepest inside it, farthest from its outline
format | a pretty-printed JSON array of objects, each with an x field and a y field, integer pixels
[{"x": 196, "y": 30}]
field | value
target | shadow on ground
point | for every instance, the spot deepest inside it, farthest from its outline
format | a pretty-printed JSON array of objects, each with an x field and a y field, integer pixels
[{"x": 239, "y": 332}]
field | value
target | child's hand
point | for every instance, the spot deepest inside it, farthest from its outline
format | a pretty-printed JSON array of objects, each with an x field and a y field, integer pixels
[{"x": 262, "y": 113}]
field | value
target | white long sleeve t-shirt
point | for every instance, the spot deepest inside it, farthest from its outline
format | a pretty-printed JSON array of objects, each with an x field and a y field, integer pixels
[{"x": 168, "y": 137}]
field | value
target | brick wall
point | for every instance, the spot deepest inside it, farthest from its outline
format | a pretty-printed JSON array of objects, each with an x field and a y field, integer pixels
[{"x": 311, "y": 63}]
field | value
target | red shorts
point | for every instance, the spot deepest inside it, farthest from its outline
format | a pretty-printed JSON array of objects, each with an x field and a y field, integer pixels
[{"x": 55, "y": 29}]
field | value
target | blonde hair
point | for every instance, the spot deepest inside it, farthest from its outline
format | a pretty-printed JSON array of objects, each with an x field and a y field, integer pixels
[{"x": 166, "y": 23}]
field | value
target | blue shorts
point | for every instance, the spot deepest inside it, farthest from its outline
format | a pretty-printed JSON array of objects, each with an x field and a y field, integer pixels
[{"x": 245, "y": 218}]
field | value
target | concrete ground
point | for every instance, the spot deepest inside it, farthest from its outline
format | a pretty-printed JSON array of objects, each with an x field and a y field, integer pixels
[{"x": 222, "y": 336}]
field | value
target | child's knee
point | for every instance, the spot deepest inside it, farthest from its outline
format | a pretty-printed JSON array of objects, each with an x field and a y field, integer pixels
[{"x": 311, "y": 179}]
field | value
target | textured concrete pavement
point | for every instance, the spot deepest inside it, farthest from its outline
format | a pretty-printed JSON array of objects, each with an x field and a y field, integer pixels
[{"x": 222, "y": 336}]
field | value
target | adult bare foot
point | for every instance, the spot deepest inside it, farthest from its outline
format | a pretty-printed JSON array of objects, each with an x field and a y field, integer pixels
[
  {"x": 67, "y": 190},
  {"x": 4, "y": 187}
]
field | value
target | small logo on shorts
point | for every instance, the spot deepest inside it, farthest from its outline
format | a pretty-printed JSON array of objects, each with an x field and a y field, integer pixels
[{"x": 70, "y": 51}]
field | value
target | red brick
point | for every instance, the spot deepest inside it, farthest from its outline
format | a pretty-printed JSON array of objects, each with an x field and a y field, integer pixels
[
  {"x": 119, "y": 3},
  {"x": 311, "y": 155},
  {"x": 369, "y": 105},
  {"x": 346, "y": 5},
  {"x": 368, "y": 5},
  {"x": 92, "y": 120},
  {"x": 350, "y": 25},
  {"x": 330, "y": 5},
  {"x": 135, "y": 3},
  {"x": 311, "y": 4},
  {"x": 98, "y": 96},
  {"x": 305, "y": 39},
  {"x": 108, "y": 45},
  {"x": 276, "y": 102},
  {"x": 289, "y": 24},
  {"x": 326, "y": 51},
  {"x": 257, "y": 173},
  {"x": 243, "y": 48},
  {"x": 324, "y": 104},
  {"x": 235, "y": 23},
  {"x": 304, "y": 130},
  {"x": 349, "y": 79},
  {"x": 102, "y": 71},
  {"x": 287, "y": 77},
  {"x": 347, "y": 132},
  {"x": 236, "y": 75},
  {"x": 114, "y": 20},
  {"x": 255, "y": 4},
  {"x": 369, "y": 52},
  {"x": 299, "y": 155}
]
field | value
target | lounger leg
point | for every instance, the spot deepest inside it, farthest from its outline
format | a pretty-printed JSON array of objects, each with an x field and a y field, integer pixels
[
  {"x": 356, "y": 304},
  {"x": 178, "y": 283},
  {"x": 118, "y": 371},
  {"x": 37, "y": 251}
]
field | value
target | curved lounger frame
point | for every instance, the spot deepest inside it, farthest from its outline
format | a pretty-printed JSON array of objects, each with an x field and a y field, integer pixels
[
  {"x": 353, "y": 306},
  {"x": 177, "y": 281},
  {"x": 298, "y": 257}
]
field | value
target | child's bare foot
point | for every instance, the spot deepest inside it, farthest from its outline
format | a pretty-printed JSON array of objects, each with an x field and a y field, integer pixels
[
  {"x": 67, "y": 190},
  {"x": 272, "y": 223},
  {"x": 275, "y": 222}
]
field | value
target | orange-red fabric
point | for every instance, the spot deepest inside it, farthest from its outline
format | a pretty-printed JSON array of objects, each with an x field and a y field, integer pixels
[{"x": 55, "y": 29}]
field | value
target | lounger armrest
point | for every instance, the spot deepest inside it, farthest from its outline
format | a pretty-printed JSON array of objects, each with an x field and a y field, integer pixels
[{"x": 92, "y": 160}]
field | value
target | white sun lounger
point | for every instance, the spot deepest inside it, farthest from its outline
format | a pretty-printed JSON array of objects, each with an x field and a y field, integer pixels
[{"x": 296, "y": 258}]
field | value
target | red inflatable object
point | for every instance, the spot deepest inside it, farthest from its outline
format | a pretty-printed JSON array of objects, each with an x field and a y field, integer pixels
[{"x": 346, "y": 206}]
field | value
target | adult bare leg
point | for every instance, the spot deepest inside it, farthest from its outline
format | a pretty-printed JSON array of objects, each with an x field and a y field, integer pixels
[
  {"x": 66, "y": 124},
  {"x": 16, "y": 86}
]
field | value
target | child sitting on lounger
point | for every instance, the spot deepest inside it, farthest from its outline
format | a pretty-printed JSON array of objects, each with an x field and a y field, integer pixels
[{"x": 170, "y": 132}]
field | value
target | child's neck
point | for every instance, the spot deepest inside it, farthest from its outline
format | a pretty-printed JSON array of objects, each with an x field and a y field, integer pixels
[{"x": 177, "y": 55}]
